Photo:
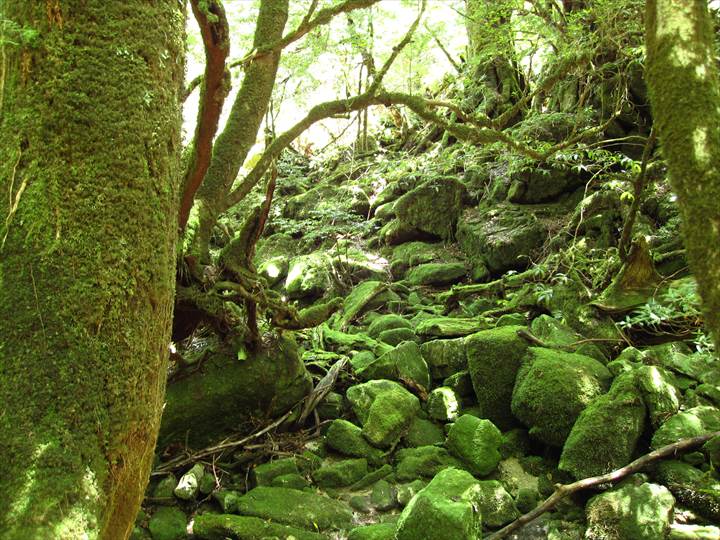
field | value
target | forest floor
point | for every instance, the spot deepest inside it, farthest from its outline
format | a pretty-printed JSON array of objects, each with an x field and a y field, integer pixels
[{"x": 478, "y": 341}]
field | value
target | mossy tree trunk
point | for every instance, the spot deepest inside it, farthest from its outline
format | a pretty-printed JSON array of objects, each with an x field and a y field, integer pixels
[
  {"x": 494, "y": 78},
  {"x": 89, "y": 144},
  {"x": 685, "y": 98}
]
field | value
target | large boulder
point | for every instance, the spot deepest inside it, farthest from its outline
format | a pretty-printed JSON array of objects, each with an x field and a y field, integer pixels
[
  {"x": 605, "y": 435},
  {"x": 448, "y": 507},
  {"x": 540, "y": 185},
  {"x": 500, "y": 238},
  {"x": 494, "y": 358},
  {"x": 553, "y": 388},
  {"x": 640, "y": 512},
  {"x": 433, "y": 207},
  {"x": 691, "y": 423},
  {"x": 228, "y": 392}
]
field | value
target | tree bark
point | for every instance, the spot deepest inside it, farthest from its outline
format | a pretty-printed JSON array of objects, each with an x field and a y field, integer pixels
[
  {"x": 89, "y": 169},
  {"x": 685, "y": 98},
  {"x": 233, "y": 144}
]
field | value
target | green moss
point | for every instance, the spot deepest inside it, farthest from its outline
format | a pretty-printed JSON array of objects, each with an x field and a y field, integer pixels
[
  {"x": 340, "y": 473},
  {"x": 448, "y": 504},
  {"x": 263, "y": 475},
  {"x": 692, "y": 487},
  {"x": 389, "y": 417},
  {"x": 89, "y": 146},
  {"x": 423, "y": 462},
  {"x": 494, "y": 358},
  {"x": 445, "y": 357},
  {"x": 553, "y": 388},
  {"x": 228, "y": 392},
  {"x": 691, "y": 423},
  {"x": 496, "y": 505},
  {"x": 168, "y": 523},
  {"x": 221, "y": 526},
  {"x": 296, "y": 508},
  {"x": 433, "y": 207},
  {"x": 387, "y": 322},
  {"x": 476, "y": 442},
  {"x": 437, "y": 274},
  {"x": 423, "y": 432},
  {"x": 346, "y": 438},
  {"x": 378, "y": 531},
  {"x": 640, "y": 512},
  {"x": 606, "y": 433}
]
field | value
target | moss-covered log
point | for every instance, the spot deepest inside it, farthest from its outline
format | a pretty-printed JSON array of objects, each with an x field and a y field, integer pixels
[
  {"x": 685, "y": 97},
  {"x": 89, "y": 145}
]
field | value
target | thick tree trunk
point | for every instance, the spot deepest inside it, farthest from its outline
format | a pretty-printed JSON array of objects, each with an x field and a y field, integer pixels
[
  {"x": 685, "y": 97},
  {"x": 89, "y": 144}
]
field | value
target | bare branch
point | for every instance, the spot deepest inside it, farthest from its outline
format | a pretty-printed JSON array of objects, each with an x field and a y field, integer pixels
[
  {"x": 562, "y": 491},
  {"x": 215, "y": 34}
]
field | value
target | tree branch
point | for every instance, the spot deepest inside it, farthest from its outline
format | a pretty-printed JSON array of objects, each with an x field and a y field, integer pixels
[
  {"x": 306, "y": 26},
  {"x": 562, "y": 491},
  {"x": 215, "y": 34}
]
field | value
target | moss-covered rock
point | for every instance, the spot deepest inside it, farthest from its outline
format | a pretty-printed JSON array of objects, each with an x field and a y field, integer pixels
[
  {"x": 605, "y": 435},
  {"x": 539, "y": 185},
  {"x": 264, "y": 474},
  {"x": 403, "y": 363},
  {"x": 661, "y": 397},
  {"x": 387, "y": 322},
  {"x": 443, "y": 404},
  {"x": 500, "y": 238},
  {"x": 449, "y": 506},
  {"x": 308, "y": 275},
  {"x": 389, "y": 417},
  {"x": 494, "y": 358},
  {"x": 221, "y": 526},
  {"x": 362, "y": 396},
  {"x": 189, "y": 484},
  {"x": 377, "y": 531},
  {"x": 396, "y": 336},
  {"x": 553, "y": 388},
  {"x": 300, "y": 509},
  {"x": 397, "y": 232},
  {"x": 433, "y": 207},
  {"x": 346, "y": 438},
  {"x": 340, "y": 473},
  {"x": 444, "y": 357},
  {"x": 437, "y": 274},
  {"x": 496, "y": 505},
  {"x": 690, "y": 423},
  {"x": 168, "y": 523},
  {"x": 228, "y": 392},
  {"x": 449, "y": 327},
  {"x": 691, "y": 487},
  {"x": 423, "y": 432},
  {"x": 292, "y": 481},
  {"x": 640, "y": 512},
  {"x": 476, "y": 443},
  {"x": 410, "y": 254},
  {"x": 423, "y": 462}
]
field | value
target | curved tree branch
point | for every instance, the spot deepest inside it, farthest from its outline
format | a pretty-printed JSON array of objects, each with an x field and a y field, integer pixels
[{"x": 216, "y": 38}]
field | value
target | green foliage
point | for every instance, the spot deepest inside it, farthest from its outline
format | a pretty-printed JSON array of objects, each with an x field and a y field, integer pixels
[{"x": 13, "y": 34}]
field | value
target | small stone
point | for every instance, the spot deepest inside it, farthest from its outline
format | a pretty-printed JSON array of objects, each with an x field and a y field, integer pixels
[
  {"x": 443, "y": 404},
  {"x": 187, "y": 488}
]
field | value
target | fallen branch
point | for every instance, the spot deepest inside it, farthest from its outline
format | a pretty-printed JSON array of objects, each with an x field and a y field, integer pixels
[{"x": 562, "y": 491}]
